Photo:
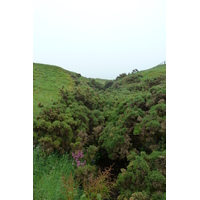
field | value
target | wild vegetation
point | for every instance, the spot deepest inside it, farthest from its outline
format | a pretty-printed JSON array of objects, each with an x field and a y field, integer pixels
[{"x": 99, "y": 139}]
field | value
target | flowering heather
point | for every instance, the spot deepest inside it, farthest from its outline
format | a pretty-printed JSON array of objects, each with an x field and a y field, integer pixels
[{"x": 78, "y": 155}]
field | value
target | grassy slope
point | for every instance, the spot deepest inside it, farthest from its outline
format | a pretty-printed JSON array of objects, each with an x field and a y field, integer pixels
[
  {"x": 102, "y": 81},
  {"x": 149, "y": 74},
  {"x": 47, "y": 80},
  {"x": 154, "y": 72},
  {"x": 157, "y": 71}
]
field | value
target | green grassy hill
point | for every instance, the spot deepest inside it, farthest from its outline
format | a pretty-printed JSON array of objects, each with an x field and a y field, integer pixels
[
  {"x": 119, "y": 123},
  {"x": 48, "y": 79}
]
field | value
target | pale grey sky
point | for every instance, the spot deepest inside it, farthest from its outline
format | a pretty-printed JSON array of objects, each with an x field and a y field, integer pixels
[{"x": 101, "y": 38}]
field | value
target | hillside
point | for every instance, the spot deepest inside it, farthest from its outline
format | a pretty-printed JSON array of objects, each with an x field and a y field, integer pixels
[
  {"x": 47, "y": 80},
  {"x": 96, "y": 123}
]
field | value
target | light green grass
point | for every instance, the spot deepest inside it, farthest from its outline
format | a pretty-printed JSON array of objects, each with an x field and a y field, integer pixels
[
  {"x": 157, "y": 71},
  {"x": 47, "y": 80},
  {"x": 102, "y": 81}
]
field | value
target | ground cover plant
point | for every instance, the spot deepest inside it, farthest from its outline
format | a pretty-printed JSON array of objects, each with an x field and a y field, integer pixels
[{"x": 99, "y": 139}]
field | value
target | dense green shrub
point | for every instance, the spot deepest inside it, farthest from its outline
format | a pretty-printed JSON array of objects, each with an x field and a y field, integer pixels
[
  {"x": 91, "y": 154},
  {"x": 139, "y": 196},
  {"x": 160, "y": 109},
  {"x": 84, "y": 174},
  {"x": 157, "y": 161},
  {"x": 137, "y": 129},
  {"x": 108, "y": 84},
  {"x": 158, "y": 196},
  {"x": 99, "y": 188},
  {"x": 115, "y": 140},
  {"x": 156, "y": 181},
  {"x": 95, "y": 85},
  {"x": 121, "y": 76},
  {"x": 53, "y": 131},
  {"x": 141, "y": 178},
  {"x": 134, "y": 178}
]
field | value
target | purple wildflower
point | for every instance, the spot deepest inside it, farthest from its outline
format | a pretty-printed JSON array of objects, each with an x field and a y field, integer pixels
[{"x": 78, "y": 155}]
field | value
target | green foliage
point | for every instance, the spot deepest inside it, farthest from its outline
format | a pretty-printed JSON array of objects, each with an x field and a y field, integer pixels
[
  {"x": 115, "y": 141},
  {"x": 158, "y": 196},
  {"x": 137, "y": 129},
  {"x": 91, "y": 154},
  {"x": 159, "y": 109},
  {"x": 95, "y": 84},
  {"x": 53, "y": 131},
  {"x": 134, "y": 178},
  {"x": 99, "y": 187},
  {"x": 139, "y": 196},
  {"x": 106, "y": 120},
  {"x": 152, "y": 125},
  {"x": 157, "y": 161},
  {"x": 85, "y": 173},
  {"x": 141, "y": 178},
  {"x": 121, "y": 76},
  {"x": 156, "y": 181},
  {"x": 108, "y": 84},
  {"x": 139, "y": 101}
]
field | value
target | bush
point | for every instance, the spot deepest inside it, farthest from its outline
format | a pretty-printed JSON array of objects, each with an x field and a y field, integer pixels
[
  {"x": 135, "y": 177},
  {"x": 137, "y": 129},
  {"x": 91, "y": 153},
  {"x": 115, "y": 141},
  {"x": 139, "y": 196},
  {"x": 95, "y": 85},
  {"x": 141, "y": 179},
  {"x": 121, "y": 76},
  {"x": 108, "y": 84},
  {"x": 159, "y": 109},
  {"x": 69, "y": 187},
  {"x": 84, "y": 174},
  {"x": 158, "y": 196},
  {"x": 52, "y": 130},
  {"x": 156, "y": 181},
  {"x": 100, "y": 186}
]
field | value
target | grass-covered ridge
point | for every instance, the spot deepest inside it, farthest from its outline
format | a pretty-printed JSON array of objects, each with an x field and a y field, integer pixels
[
  {"x": 48, "y": 79},
  {"x": 94, "y": 123}
]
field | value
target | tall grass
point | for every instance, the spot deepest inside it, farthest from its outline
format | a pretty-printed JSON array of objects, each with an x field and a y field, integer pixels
[{"x": 47, "y": 175}]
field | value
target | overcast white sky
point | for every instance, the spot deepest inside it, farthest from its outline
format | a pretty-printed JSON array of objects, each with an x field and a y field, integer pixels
[{"x": 100, "y": 38}]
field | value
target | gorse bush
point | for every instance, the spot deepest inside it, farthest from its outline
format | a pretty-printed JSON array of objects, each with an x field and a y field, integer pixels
[
  {"x": 100, "y": 186},
  {"x": 115, "y": 141},
  {"x": 139, "y": 196},
  {"x": 53, "y": 130},
  {"x": 141, "y": 176},
  {"x": 84, "y": 174}
]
